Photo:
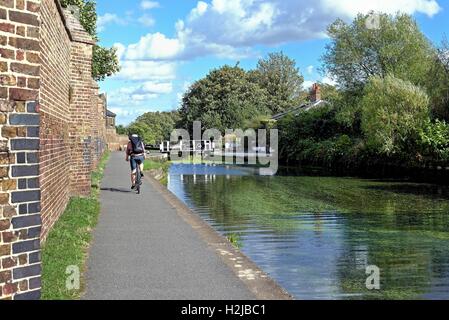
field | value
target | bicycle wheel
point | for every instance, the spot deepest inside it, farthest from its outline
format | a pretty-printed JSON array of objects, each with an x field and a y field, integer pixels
[{"x": 138, "y": 179}]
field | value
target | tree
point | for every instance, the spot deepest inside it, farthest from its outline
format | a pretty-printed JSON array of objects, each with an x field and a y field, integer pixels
[
  {"x": 357, "y": 53},
  {"x": 121, "y": 129},
  {"x": 224, "y": 99},
  {"x": 143, "y": 130},
  {"x": 280, "y": 77},
  {"x": 160, "y": 125},
  {"x": 105, "y": 61},
  {"x": 329, "y": 92},
  {"x": 394, "y": 112},
  {"x": 438, "y": 81}
]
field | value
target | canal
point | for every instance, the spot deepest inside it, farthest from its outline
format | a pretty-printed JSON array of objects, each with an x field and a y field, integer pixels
[{"x": 316, "y": 235}]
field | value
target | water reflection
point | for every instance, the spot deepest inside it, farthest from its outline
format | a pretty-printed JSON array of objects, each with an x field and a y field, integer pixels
[{"x": 316, "y": 235}]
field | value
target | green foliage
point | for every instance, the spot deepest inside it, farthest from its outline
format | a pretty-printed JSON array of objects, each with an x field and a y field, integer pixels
[
  {"x": 356, "y": 53},
  {"x": 105, "y": 61},
  {"x": 154, "y": 127},
  {"x": 87, "y": 14},
  {"x": 122, "y": 130},
  {"x": 161, "y": 167},
  {"x": 143, "y": 130},
  {"x": 225, "y": 99},
  {"x": 438, "y": 82},
  {"x": 393, "y": 113},
  {"x": 434, "y": 138},
  {"x": 280, "y": 77}
]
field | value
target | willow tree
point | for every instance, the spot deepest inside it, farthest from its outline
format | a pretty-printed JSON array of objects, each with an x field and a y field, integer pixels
[
  {"x": 104, "y": 61},
  {"x": 394, "y": 112},
  {"x": 395, "y": 46}
]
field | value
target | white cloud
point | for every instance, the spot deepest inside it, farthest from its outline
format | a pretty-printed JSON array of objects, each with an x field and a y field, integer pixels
[
  {"x": 199, "y": 10},
  {"x": 148, "y": 5},
  {"x": 146, "y": 71},
  {"x": 154, "y": 46},
  {"x": 310, "y": 69},
  {"x": 231, "y": 28},
  {"x": 147, "y": 20},
  {"x": 133, "y": 96},
  {"x": 108, "y": 18},
  {"x": 328, "y": 79},
  {"x": 352, "y": 7},
  {"x": 307, "y": 84},
  {"x": 157, "y": 87}
]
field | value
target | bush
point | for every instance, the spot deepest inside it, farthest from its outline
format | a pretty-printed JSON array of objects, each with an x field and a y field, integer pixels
[
  {"x": 434, "y": 138},
  {"x": 394, "y": 112}
]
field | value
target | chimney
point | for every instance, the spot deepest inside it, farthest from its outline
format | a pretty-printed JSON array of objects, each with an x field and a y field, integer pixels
[{"x": 316, "y": 93}]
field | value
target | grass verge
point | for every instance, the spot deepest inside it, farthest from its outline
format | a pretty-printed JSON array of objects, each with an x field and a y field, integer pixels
[
  {"x": 69, "y": 240},
  {"x": 158, "y": 169}
]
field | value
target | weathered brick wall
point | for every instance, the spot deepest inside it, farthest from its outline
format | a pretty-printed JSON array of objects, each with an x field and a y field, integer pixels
[
  {"x": 55, "y": 114},
  {"x": 49, "y": 116},
  {"x": 20, "y": 220},
  {"x": 102, "y": 104},
  {"x": 98, "y": 127},
  {"x": 81, "y": 116}
]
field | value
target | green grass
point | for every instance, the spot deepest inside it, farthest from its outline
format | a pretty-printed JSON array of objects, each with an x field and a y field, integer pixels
[
  {"x": 157, "y": 165},
  {"x": 69, "y": 240},
  {"x": 235, "y": 239}
]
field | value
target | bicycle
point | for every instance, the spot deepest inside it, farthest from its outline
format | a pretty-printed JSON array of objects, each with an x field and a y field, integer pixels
[{"x": 138, "y": 178}]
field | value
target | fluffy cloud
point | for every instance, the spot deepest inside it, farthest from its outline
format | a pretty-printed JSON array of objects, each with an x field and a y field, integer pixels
[
  {"x": 148, "y": 5},
  {"x": 147, "y": 20},
  {"x": 154, "y": 46},
  {"x": 108, "y": 18},
  {"x": 310, "y": 70},
  {"x": 146, "y": 71},
  {"x": 230, "y": 28},
  {"x": 351, "y": 7},
  {"x": 134, "y": 95}
]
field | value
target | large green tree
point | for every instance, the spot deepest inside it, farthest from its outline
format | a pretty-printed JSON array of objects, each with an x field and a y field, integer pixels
[
  {"x": 280, "y": 77},
  {"x": 359, "y": 51},
  {"x": 438, "y": 81},
  {"x": 225, "y": 99},
  {"x": 105, "y": 60},
  {"x": 394, "y": 112},
  {"x": 159, "y": 125}
]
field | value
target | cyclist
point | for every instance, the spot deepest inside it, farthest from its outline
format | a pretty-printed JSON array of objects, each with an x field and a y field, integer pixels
[{"x": 135, "y": 153}]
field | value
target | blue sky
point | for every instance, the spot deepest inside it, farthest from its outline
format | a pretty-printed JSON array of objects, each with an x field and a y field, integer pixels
[{"x": 166, "y": 45}]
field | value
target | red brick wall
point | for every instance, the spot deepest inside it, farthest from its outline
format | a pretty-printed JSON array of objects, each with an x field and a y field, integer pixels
[
  {"x": 55, "y": 115},
  {"x": 80, "y": 128},
  {"x": 49, "y": 116},
  {"x": 20, "y": 219}
]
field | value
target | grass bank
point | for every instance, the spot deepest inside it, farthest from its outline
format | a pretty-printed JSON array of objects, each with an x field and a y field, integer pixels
[
  {"x": 158, "y": 169},
  {"x": 69, "y": 240}
]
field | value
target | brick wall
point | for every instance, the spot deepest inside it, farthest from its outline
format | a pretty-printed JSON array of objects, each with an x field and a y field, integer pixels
[
  {"x": 55, "y": 114},
  {"x": 20, "y": 220},
  {"x": 49, "y": 116},
  {"x": 81, "y": 116}
]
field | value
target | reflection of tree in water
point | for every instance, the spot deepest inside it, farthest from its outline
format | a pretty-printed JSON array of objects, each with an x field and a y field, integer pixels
[
  {"x": 400, "y": 227},
  {"x": 407, "y": 259}
]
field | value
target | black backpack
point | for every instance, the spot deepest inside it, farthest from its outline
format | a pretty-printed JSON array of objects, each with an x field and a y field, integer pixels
[{"x": 136, "y": 143}]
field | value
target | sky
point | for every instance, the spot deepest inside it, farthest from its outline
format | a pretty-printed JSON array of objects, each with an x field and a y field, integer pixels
[{"x": 164, "y": 46}]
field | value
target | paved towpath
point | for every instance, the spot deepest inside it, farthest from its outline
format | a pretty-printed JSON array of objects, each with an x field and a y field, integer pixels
[{"x": 143, "y": 249}]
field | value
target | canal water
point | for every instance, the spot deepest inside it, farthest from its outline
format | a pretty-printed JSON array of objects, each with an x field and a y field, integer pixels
[{"x": 317, "y": 235}]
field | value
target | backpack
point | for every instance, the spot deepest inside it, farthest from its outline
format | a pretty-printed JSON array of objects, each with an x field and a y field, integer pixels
[{"x": 137, "y": 145}]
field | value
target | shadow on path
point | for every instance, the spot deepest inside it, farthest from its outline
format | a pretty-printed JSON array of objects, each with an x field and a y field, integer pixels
[{"x": 116, "y": 190}]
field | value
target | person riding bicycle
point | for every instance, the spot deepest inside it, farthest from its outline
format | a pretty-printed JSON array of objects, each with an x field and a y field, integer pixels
[{"x": 135, "y": 153}]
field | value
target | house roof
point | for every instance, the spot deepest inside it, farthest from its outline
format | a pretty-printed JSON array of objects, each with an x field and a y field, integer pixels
[
  {"x": 296, "y": 110},
  {"x": 110, "y": 114}
]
